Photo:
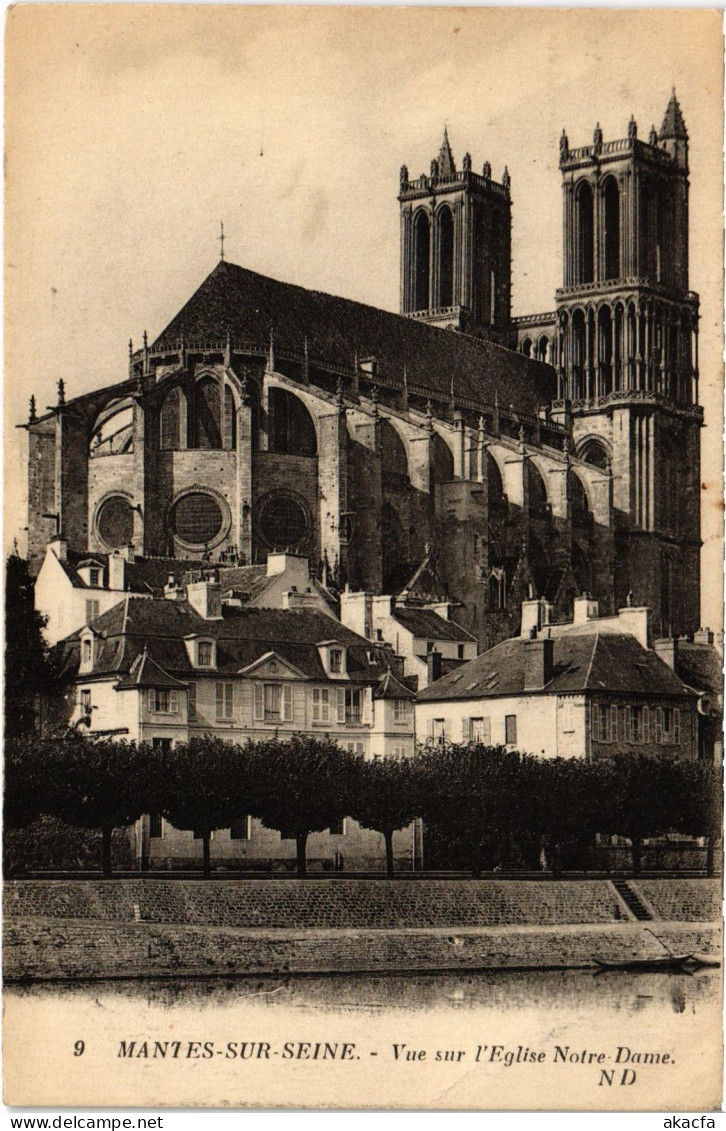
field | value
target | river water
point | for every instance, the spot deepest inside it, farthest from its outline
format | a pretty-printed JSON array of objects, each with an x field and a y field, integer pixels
[{"x": 497, "y": 1039}]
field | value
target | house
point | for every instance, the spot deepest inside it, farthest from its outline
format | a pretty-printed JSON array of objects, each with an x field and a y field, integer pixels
[
  {"x": 420, "y": 629},
  {"x": 585, "y": 689},
  {"x": 72, "y": 589},
  {"x": 160, "y": 671}
]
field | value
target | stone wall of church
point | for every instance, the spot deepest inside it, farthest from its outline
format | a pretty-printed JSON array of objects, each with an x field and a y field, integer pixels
[{"x": 41, "y": 491}]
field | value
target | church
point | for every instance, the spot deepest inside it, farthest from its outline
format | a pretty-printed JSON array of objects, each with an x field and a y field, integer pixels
[{"x": 451, "y": 451}]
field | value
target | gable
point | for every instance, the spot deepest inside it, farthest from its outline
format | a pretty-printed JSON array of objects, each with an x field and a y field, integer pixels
[{"x": 271, "y": 666}]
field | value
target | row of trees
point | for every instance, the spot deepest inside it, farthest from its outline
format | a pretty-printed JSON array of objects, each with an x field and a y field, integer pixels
[{"x": 484, "y": 803}]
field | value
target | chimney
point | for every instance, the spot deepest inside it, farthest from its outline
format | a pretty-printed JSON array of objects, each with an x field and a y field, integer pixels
[
  {"x": 535, "y": 615},
  {"x": 205, "y": 597},
  {"x": 59, "y": 546},
  {"x": 585, "y": 608},
  {"x": 173, "y": 590},
  {"x": 296, "y": 600},
  {"x": 433, "y": 665},
  {"x": 538, "y": 662},
  {"x": 356, "y": 612},
  {"x": 667, "y": 650},
  {"x": 116, "y": 571},
  {"x": 128, "y": 553},
  {"x": 703, "y": 636}
]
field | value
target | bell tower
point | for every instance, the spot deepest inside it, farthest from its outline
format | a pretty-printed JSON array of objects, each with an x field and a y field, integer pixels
[
  {"x": 456, "y": 247},
  {"x": 627, "y": 328}
]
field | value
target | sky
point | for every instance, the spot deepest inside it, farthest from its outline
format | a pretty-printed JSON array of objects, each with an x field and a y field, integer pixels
[{"x": 133, "y": 130}]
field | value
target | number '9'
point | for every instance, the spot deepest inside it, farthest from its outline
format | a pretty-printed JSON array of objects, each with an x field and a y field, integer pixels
[{"x": 79, "y": 1048}]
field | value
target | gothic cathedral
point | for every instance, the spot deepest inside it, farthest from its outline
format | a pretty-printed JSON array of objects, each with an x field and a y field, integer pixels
[{"x": 450, "y": 452}]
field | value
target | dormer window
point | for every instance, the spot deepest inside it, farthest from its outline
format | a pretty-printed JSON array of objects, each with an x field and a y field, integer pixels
[
  {"x": 94, "y": 577},
  {"x": 87, "y": 652},
  {"x": 202, "y": 652},
  {"x": 334, "y": 658}
]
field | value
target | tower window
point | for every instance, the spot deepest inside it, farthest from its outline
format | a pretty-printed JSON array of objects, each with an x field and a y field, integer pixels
[
  {"x": 446, "y": 257},
  {"x": 585, "y": 234},
  {"x": 421, "y": 262},
  {"x": 611, "y": 202}
]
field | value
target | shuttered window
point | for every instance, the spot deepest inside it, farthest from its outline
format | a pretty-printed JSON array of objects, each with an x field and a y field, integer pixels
[{"x": 223, "y": 701}]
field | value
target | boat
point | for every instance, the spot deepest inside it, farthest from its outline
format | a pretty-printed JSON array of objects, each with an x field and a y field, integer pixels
[{"x": 661, "y": 962}]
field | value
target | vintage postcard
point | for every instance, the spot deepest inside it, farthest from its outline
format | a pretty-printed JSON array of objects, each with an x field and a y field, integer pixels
[{"x": 363, "y": 534}]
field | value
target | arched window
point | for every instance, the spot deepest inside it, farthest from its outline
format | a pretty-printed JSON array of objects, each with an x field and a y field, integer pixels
[
  {"x": 605, "y": 350},
  {"x": 585, "y": 234},
  {"x": 446, "y": 257},
  {"x": 394, "y": 546},
  {"x": 526, "y": 347},
  {"x": 421, "y": 262},
  {"x": 208, "y": 432},
  {"x": 170, "y": 421},
  {"x": 230, "y": 420},
  {"x": 578, "y": 353},
  {"x": 292, "y": 431},
  {"x": 543, "y": 348},
  {"x": 594, "y": 452},
  {"x": 611, "y": 206}
]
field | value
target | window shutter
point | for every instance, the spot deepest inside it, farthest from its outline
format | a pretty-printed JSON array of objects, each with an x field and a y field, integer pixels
[
  {"x": 259, "y": 701},
  {"x": 658, "y": 724},
  {"x": 486, "y": 731},
  {"x": 219, "y": 699},
  {"x": 152, "y": 699},
  {"x": 614, "y": 724},
  {"x": 677, "y": 726},
  {"x": 173, "y": 701},
  {"x": 466, "y": 730},
  {"x": 228, "y": 700},
  {"x": 192, "y": 701},
  {"x": 646, "y": 724},
  {"x": 629, "y": 736},
  {"x": 287, "y": 702},
  {"x": 316, "y": 704},
  {"x": 341, "y": 705}
]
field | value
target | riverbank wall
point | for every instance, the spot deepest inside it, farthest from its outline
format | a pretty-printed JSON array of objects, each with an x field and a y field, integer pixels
[{"x": 158, "y": 928}]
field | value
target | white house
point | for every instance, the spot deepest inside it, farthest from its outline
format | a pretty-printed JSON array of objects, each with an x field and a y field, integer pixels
[
  {"x": 582, "y": 689},
  {"x": 161, "y": 671}
]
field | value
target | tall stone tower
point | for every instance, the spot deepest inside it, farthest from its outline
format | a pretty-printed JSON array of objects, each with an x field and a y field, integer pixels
[
  {"x": 456, "y": 247},
  {"x": 627, "y": 328}
]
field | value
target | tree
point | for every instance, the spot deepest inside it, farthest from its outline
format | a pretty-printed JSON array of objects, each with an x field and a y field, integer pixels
[
  {"x": 634, "y": 798},
  {"x": 306, "y": 784},
  {"x": 95, "y": 784},
  {"x": 698, "y": 804},
  {"x": 25, "y": 783},
  {"x": 386, "y": 799},
  {"x": 204, "y": 785},
  {"x": 30, "y": 667},
  {"x": 475, "y": 793}
]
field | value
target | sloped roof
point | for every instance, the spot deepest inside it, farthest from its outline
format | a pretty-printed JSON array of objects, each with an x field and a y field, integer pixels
[
  {"x": 390, "y": 688},
  {"x": 159, "y": 627},
  {"x": 145, "y": 672},
  {"x": 429, "y": 625},
  {"x": 701, "y": 667},
  {"x": 244, "y": 305},
  {"x": 610, "y": 663}
]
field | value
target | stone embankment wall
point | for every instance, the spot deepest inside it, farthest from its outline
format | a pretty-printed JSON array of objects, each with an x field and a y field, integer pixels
[
  {"x": 135, "y": 928},
  {"x": 695, "y": 901},
  {"x": 323, "y": 904}
]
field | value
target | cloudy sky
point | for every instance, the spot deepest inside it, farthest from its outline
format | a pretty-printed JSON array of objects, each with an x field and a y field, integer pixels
[{"x": 132, "y": 130}]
